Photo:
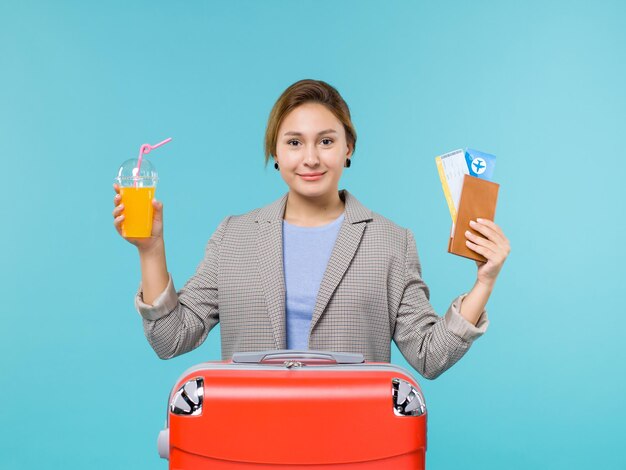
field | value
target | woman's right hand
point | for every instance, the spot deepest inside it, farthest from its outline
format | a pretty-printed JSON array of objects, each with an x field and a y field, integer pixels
[{"x": 143, "y": 244}]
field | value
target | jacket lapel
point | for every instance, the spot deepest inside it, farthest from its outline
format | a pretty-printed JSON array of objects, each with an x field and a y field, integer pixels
[
  {"x": 348, "y": 240},
  {"x": 270, "y": 259}
]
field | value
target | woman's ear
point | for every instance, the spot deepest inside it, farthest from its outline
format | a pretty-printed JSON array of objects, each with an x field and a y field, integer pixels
[{"x": 350, "y": 150}]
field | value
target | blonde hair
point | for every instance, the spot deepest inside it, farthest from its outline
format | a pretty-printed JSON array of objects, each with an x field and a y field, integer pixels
[{"x": 301, "y": 92}]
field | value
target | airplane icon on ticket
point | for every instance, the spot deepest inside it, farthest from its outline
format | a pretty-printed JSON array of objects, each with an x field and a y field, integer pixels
[{"x": 479, "y": 165}]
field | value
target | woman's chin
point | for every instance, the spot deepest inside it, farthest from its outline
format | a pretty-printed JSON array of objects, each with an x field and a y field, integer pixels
[{"x": 311, "y": 192}]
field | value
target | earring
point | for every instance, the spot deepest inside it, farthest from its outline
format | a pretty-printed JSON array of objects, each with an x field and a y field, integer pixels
[
  {"x": 276, "y": 165},
  {"x": 348, "y": 163}
]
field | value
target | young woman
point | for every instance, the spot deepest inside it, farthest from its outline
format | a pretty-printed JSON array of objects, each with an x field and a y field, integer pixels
[{"x": 315, "y": 269}]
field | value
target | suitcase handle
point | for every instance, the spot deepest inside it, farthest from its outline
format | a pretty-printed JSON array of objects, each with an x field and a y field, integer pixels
[{"x": 289, "y": 354}]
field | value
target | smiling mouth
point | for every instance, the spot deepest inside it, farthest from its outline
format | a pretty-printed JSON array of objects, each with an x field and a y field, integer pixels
[{"x": 311, "y": 176}]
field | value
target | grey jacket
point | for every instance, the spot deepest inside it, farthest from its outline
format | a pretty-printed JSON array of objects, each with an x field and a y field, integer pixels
[{"x": 371, "y": 292}]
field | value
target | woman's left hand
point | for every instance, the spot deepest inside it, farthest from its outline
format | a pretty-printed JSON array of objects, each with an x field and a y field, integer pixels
[{"x": 493, "y": 245}]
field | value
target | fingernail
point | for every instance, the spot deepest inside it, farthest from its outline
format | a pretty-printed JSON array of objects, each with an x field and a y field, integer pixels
[
  {"x": 472, "y": 223},
  {"x": 480, "y": 220},
  {"x": 468, "y": 233}
]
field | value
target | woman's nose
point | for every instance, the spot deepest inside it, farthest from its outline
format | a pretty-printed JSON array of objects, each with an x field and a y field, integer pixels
[{"x": 311, "y": 158}]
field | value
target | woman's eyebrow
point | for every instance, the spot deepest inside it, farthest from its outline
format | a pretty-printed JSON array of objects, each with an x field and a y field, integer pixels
[{"x": 327, "y": 131}]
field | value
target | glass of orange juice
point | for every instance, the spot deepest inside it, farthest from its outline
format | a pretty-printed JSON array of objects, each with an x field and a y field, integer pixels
[{"x": 137, "y": 188}]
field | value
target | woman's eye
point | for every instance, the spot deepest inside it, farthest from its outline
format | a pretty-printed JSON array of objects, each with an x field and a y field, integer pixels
[
  {"x": 292, "y": 142},
  {"x": 327, "y": 141}
]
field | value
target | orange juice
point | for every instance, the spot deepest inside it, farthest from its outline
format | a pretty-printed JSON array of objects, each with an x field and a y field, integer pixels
[{"x": 137, "y": 211}]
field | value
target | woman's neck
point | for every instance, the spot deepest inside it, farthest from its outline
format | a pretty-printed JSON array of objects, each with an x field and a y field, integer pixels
[{"x": 313, "y": 212}]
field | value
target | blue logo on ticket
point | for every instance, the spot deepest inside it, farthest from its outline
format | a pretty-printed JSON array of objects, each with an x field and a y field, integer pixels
[{"x": 480, "y": 164}]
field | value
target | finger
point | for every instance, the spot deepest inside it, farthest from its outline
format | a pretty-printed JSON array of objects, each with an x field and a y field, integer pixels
[
  {"x": 502, "y": 242},
  {"x": 486, "y": 230},
  {"x": 118, "y": 210},
  {"x": 492, "y": 225},
  {"x": 500, "y": 248},
  {"x": 495, "y": 254},
  {"x": 481, "y": 250},
  {"x": 478, "y": 240},
  {"x": 116, "y": 187},
  {"x": 158, "y": 210},
  {"x": 117, "y": 199},
  {"x": 118, "y": 221}
]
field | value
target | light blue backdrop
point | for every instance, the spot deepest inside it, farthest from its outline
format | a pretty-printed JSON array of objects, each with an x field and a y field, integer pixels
[{"x": 540, "y": 84}]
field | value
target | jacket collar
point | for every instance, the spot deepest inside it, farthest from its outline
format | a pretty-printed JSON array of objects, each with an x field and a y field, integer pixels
[{"x": 355, "y": 211}]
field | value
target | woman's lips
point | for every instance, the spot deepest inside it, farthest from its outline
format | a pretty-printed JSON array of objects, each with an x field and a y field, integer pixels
[{"x": 311, "y": 176}]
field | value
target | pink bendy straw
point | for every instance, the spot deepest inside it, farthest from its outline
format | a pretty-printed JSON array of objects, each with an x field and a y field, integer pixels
[{"x": 145, "y": 149}]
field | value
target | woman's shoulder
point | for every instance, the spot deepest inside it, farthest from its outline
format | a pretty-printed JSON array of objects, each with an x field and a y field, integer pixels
[
  {"x": 385, "y": 223},
  {"x": 386, "y": 231},
  {"x": 246, "y": 222},
  {"x": 376, "y": 221}
]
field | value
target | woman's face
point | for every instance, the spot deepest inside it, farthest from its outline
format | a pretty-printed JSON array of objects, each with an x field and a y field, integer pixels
[{"x": 311, "y": 150}]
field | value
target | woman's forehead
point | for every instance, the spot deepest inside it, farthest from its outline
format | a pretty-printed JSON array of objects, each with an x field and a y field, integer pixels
[{"x": 310, "y": 119}]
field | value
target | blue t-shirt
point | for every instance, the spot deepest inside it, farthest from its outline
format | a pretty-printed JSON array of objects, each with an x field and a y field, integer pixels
[{"x": 306, "y": 251}]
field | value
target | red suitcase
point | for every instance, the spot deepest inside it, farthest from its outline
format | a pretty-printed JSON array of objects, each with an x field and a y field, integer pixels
[{"x": 295, "y": 410}]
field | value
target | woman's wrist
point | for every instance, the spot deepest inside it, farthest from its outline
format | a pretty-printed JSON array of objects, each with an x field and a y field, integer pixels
[
  {"x": 474, "y": 302},
  {"x": 485, "y": 285},
  {"x": 155, "y": 250},
  {"x": 154, "y": 276}
]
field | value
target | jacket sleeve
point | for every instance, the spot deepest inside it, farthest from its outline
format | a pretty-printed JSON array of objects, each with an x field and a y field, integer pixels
[
  {"x": 178, "y": 322},
  {"x": 431, "y": 344}
]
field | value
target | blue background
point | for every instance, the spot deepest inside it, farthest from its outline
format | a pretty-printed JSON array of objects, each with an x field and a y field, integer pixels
[{"x": 539, "y": 84}]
